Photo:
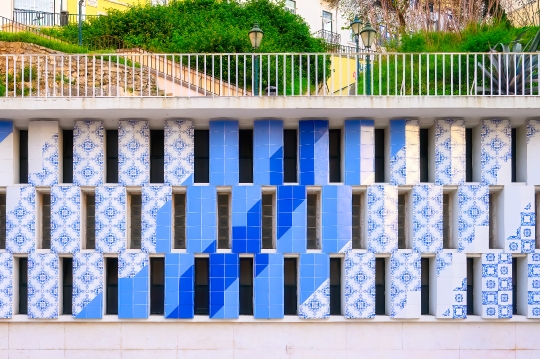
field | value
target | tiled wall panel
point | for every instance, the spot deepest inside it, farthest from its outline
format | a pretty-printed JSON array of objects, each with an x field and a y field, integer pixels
[
  {"x": 179, "y": 147},
  {"x": 427, "y": 218},
  {"x": 532, "y": 174},
  {"x": 495, "y": 152},
  {"x": 268, "y": 286},
  {"x": 87, "y": 285},
  {"x": 451, "y": 285},
  {"x": 314, "y": 286},
  {"x": 110, "y": 219},
  {"x": 133, "y": 152},
  {"x": 291, "y": 219},
  {"x": 43, "y": 286},
  {"x": 405, "y": 282},
  {"x": 449, "y": 159},
  {"x": 6, "y": 285},
  {"x": 224, "y": 285},
  {"x": 519, "y": 219},
  {"x": 533, "y": 285},
  {"x": 404, "y": 150},
  {"x": 496, "y": 285},
  {"x": 65, "y": 219},
  {"x": 359, "y": 280},
  {"x": 473, "y": 229},
  {"x": 268, "y": 152},
  {"x": 246, "y": 219},
  {"x": 382, "y": 217},
  {"x": 43, "y": 153},
  {"x": 359, "y": 155},
  {"x": 20, "y": 219},
  {"x": 156, "y": 219},
  {"x": 179, "y": 285},
  {"x": 8, "y": 161},
  {"x": 201, "y": 217},
  {"x": 336, "y": 209},
  {"x": 133, "y": 296},
  {"x": 88, "y": 153},
  {"x": 223, "y": 153},
  {"x": 313, "y": 162}
]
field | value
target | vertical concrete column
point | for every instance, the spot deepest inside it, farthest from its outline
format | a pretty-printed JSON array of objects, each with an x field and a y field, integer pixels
[
  {"x": 405, "y": 296},
  {"x": 449, "y": 286},
  {"x": 179, "y": 152},
  {"x": 517, "y": 224},
  {"x": 179, "y": 285},
  {"x": 359, "y": 152},
  {"x": 381, "y": 218},
  {"x": 492, "y": 160},
  {"x": 314, "y": 286},
  {"x": 449, "y": 147},
  {"x": 133, "y": 153},
  {"x": 44, "y": 159},
  {"x": 268, "y": 152},
  {"x": 403, "y": 152},
  {"x": 133, "y": 286},
  {"x": 224, "y": 153},
  {"x": 88, "y": 153},
  {"x": 156, "y": 236},
  {"x": 9, "y": 153}
]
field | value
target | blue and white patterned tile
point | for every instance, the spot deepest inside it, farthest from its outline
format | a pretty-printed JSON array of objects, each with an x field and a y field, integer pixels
[
  {"x": 519, "y": 219},
  {"x": 532, "y": 147},
  {"x": 133, "y": 152},
  {"x": 533, "y": 285},
  {"x": 382, "y": 218},
  {"x": 473, "y": 222},
  {"x": 359, "y": 291},
  {"x": 110, "y": 219},
  {"x": 65, "y": 219},
  {"x": 87, "y": 293},
  {"x": 496, "y": 286},
  {"x": 8, "y": 158},
  {"x": 43, "y": 153},
  {"x": 156, "y": 219},
  {"x": 20, "y": 219},
  {"x": 449, "y": 151},
  {"x": 179, "y": 150},
  {"x": 43, "y": 286},
  {"x": 496, "y": 152},
  {"x": 6, "y": 285},
  {"x": 314, "y": 288},
  {"x": 405, "y": 284},
  {"x": 404, "y": 152},
  {"x": 451, "y": 285},
  {"x": 88, "y": 153},
  {"x": 133, "y": 286},
  {"x": 427, "y": 226},
  {"x": 359, "y": 152}
]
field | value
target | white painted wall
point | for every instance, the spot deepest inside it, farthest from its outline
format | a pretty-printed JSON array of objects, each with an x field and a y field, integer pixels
[{"x": 6, "y": 9}]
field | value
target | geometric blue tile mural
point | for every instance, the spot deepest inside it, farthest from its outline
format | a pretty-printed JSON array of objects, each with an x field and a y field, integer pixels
[
  {"x": 224, "y": 285},
  {"x": 133, "y": 296},
  {"x": 246, "y": 219},
  {"x": 268, "y": 286},
  {"x": 179, "y": 285},
  {"x": 313, "y": 152},
  {"x": 268, "y": 152}
]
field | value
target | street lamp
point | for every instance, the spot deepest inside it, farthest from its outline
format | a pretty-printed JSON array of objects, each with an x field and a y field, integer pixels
[
  {"x": 255, "y": 36},
  {"x": 368, "y": 35},
  {"x": 81, "y": 2},
  {"x": 356, "y": 26}
]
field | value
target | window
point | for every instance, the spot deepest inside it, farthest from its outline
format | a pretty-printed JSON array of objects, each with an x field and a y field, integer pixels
[
  {"x": 23, "y": 156},
  {"x": 327, "y": 21},
  {"x": 334, "y": 148},
  {"x": 514, "y": 157},
  {"x": 201, "y": 156},
  {"x": 90, "y": 199},
  {"x": 67, "y": 165},
  {"x": 180, "y": 221},
  {"x": 468, "y": 155},
  {"x": 290, "y": 279},
  {"x": 493, "y": 197},
  {"x": 380, "y": 290},
  {"x": 157, "y": 153},
  {"x": 45, "y": 220},
  {"x": 202, "y": 292},
  {"x": 2, "y": 221},
  {"x": 245, "y": 155},
  {"x": 23, "y": 285},
  {"x": 112, "y": 285},
  {"x": 424, "y": 157},
  {"x": 157, "y": 285},
  {"x": 246, "y": 286},
  {"x": 447, "y": 218},
  {"x": 379, "y": 155},
  {"x": 402, "y": 221},
  {"x": 268, "y": 221},
  {"x": 135, "y": 221},
  {"x": 223, "y": 220},
  {"x": 67, "y": 285},
  {"x": 313, "y": 241},
  {"x": 112, "y": 155},
  {"x": 335, "y": 286},
  {"x": 424, "y": 273},
  {"x": 290, "y": 153},
  {"x": 356, "y": 221},
  {"x": 514, "y": 286},
  {"x": 470, "y": 286},
  {"x": 290, "y": 6}
]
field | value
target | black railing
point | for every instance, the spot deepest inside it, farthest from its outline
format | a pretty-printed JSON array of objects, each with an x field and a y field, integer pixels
[
  {"x": 42, "y": 18},
  {"x": 329, "y": 37}
]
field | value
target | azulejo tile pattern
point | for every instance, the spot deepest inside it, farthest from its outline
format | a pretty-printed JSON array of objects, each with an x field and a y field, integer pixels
[
  {"x": 6, "y": 285},
  {"x": 496, "y": 285},
  {"x": 291, "y": 221},
  {"x": 382, "y": 216},
  {"x": 449, "y": 151},
  {"x": 404, "y": 152},
  {"x": 224, "y": 285},
  {"x": 7, "y": 154},
  {"x": 133, "y": 284},
  {"x": 43, "y": 153},
  {"x": 224, "y": 153},
  {"x": 201, "y": 214},
  {"x": 20, "y": 219},
  {"x": 519, "y": 220},
  {"x": 533, "y": 285},
  {"x": 427, "y": 220},
  {"x": 65, "y": 219},
  {"x": 88, "y": 153},
  {"x": 246, "y": 219},
  {"x": 179, "y": 285},
  {"x": 359, "y": 152},
  {"x": 179, "y": 147},
  {"x": 268, "y": 152},
  {"x": 451, "y": 285},
  {"x": 268, "y": 286},
  {"x": 496, "y": 152},
  {"x": 42, "y": 286},
  {"x": 336, "y": 208},
  {"x": 110, "y": 219},
  {"x": 133, "y": 153},
  {"x": 359, "y": 280},
  {"x": 87, "y": 285},
  {"x": 532, "y": 147},
  {"x": 473, "y": 229},
  {"x": 313, "y": 160},
  {"x": 314, "y": 289},
  {"x": 405, "y": 292},
  {"x": 156, "y": 219}
]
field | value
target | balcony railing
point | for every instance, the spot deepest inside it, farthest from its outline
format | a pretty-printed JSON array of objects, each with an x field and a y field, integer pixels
[
  {"x": 329, "y": 37},
  {"x": 41, "y": 18},
  {"x": 286, "y": 74}
]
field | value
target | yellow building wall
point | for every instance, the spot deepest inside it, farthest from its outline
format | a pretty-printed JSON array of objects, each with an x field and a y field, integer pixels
[
  {"x": 343, "y": 74},
  {"x": 99, "y": 7}
]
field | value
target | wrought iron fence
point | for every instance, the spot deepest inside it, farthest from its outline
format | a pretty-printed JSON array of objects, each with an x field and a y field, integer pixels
[{"x": 41, "y": 18}]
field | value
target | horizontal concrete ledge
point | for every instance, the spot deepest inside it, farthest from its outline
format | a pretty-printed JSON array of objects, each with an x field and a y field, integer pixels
[{"x": 377, "y": 107}]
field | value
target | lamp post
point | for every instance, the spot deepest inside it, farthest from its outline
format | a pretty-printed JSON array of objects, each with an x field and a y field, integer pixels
[
  {"x": 356, "y": 25},
  {"x": 80, "y": 21},
  {"x": 255, "y": 36},
  {"x": 368, "y": 35}
]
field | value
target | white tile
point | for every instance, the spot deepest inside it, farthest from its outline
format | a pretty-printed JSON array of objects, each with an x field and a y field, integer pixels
[
  {"x": 487, "y": 336},
  {"x": 309, "y": 336},
  {"x": 149, "y": 336},
  {"x": 44, "y": 336},
  {"x": 93, "y": 335},
  {"x": 263, "y": 336},
  {"x": 491, "y": 354},
  {"x": 212, "y": 336},
  {"x": 367, "y": 336},
  {"x": 93, "y": 354},
  {"x": 432, "y": 336}
]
